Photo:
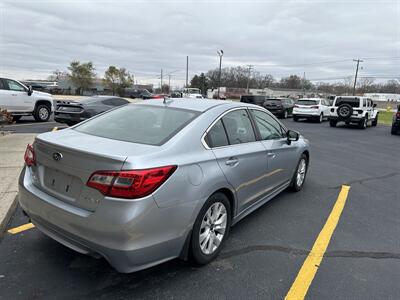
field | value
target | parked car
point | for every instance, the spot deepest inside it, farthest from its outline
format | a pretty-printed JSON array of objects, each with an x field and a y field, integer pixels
[
  {"x": 253, "y": 99},
  {"x": 352, "y": 109},
  {"x": 396, "y": 122},
  {"x": 73, "y": 112},
  {"x": 280, "y": 107},
  {"x": 137, "y": 93},
  {"x": 311, "y": 109},
  {"x": 20, "y": 100},
  {"x": 148, "y": 182}
]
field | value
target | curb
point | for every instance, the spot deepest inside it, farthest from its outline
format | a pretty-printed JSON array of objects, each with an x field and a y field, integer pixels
[{"x": 7, "y": 216}]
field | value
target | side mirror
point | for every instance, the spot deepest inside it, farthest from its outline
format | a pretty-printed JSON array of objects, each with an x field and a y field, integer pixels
[
  {"x": 30, "y": 90},
  {"x": 292, "y": 136},
  {"x": 374, "y": 105}
]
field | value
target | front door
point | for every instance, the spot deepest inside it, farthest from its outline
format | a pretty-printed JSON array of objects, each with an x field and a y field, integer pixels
[
  {"x": 243, "y": 160},
  {"x": 18, "y": 98}
]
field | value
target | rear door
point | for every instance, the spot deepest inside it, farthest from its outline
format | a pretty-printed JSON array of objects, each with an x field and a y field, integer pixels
[
  {"x": 5, "y": 95},
  {"x": 241, "y": 157},
  {"x": 282, "y": 158}
]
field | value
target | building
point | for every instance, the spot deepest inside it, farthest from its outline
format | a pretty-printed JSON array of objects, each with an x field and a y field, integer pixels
[
  {"x": 235, "y": 93},
  {"x": 383, "y": 97}
]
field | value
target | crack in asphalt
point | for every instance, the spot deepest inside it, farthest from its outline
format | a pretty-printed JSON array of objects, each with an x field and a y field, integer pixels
[
  {"x": 297, "y": 251},
  {"x": 363, "y": 180}
]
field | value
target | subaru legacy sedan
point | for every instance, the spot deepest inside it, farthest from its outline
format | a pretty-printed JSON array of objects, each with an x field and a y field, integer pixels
[{"x": 146, "y": 183}]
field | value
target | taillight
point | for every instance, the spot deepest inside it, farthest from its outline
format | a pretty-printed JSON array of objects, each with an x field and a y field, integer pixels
[
  {"x": 29, "y": 156},
  {"x": 398, "y": 115},
  {"x": 332, "y": 110},
  {"x": 130, "y": 184}
]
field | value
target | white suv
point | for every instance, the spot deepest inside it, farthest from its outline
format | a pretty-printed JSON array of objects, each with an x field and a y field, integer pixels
[
  {"x": 352, "y": 109},
  {"x": 311, "y": 108},
  {"x": 20, "y": 100}
]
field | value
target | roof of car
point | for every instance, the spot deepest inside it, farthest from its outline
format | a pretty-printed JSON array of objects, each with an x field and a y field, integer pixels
[{"x": 190, "y": 103}]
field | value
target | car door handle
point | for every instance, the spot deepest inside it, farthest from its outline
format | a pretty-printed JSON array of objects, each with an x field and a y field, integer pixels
[
  {"x": 232, "y": 161},
  {"x": 271, "y": 155}
]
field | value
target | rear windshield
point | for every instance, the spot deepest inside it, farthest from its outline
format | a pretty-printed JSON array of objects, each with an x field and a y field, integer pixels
[
  {"x": 352, "y": 101},
  {"x": 307, "y": 102},
  {"x": 252, "y": 99},
  {"x": 143, "y": 124}
]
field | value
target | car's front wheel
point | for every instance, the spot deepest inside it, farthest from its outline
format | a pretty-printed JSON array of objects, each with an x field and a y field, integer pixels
[
  {"x": 42, "y": 113},
  {"x": 211, "y": 229},
  {"x": 299, "y": 175},
  {"x": 363, "y": 123}
]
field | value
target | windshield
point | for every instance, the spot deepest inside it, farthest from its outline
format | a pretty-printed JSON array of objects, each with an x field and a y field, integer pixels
[
  {"x": 352, "y": 101},
  {"x": 141, "y": 124},
  {"x": 273, "y": 100},
  {"x": 308, "y": 102},
  {"x": 252, "y": 99}
]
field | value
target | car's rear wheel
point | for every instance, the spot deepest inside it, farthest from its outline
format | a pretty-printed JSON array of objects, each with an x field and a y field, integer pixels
[
  {"x": 16, "y": 118},
  {"x": 295, "y": 118},
  {"x": 332, "y": 123},
  {"x": 321, "y": 118},
  {"x": 393, "y": 130},
  {"x": 285, "y": 114},
  {"x": 210, "y": 229},
  {"x": 42, "y": 113},
  {"x": 300, "y": 175},
  {"x": 363, "y": 123}
]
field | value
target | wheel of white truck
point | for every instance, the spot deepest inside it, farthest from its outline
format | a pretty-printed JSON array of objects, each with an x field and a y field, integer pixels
[{"x": 42, "y": 113}]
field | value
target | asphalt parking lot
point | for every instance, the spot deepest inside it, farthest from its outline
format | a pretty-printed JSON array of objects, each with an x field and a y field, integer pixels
[{"x": 265, "y": 251}]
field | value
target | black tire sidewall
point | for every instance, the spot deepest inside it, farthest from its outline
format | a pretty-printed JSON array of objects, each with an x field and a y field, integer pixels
[
  {"x": 197, "y": 256},
  {"x": 350, "y": 111}
]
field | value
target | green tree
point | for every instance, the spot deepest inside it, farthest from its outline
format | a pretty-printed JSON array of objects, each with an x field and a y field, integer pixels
[
  {"x": 117, "y": 79},
  {"x": 81, "y": 75}
]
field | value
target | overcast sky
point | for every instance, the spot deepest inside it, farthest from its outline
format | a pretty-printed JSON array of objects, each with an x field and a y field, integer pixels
[{"x": 319, "y": 38}]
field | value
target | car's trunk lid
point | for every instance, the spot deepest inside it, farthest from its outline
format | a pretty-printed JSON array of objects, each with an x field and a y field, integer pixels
[{"x": 66, "y": 159}]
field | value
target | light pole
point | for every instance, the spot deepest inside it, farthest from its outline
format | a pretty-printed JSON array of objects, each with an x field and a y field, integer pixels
[{"x": 220, "y": 53}]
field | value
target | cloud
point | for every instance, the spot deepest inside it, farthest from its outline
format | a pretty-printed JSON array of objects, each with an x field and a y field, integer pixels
[{"x": 277, "y": 37}]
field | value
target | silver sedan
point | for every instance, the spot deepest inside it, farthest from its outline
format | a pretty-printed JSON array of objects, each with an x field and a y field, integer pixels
[{"x": 149, "y": 182}]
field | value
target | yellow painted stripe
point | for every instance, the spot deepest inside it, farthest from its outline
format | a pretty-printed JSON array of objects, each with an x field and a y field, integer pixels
[
  {"x": 55, "y": 129},
  {"x": 311, "y": 264},
  {"x": 20, "y": 228}
]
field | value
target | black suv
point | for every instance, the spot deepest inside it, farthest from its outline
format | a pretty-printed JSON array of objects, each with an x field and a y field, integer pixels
[
  {"x": 253, "y": 99},
  {"x": 280, "y": 107},
  {"x": 396, "y": 122}
]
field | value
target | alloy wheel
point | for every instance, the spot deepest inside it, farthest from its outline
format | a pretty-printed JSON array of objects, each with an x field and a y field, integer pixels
[
  {"x": 301, "y": 172},
  {"x": 213, "y": 227}
]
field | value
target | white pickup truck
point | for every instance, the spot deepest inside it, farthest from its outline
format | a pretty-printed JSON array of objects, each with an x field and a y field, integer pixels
[{"x": 20, "y": 100}]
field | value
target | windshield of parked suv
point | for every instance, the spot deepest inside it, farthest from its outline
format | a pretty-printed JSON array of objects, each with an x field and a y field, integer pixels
[
  {"x": 143, "y": 124},
  {"x": 352, "y": 101},
  {"x": 308, "y": 102}
]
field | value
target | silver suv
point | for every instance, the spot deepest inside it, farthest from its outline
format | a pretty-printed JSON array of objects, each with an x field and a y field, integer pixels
[{"x": 352, "y": 109}]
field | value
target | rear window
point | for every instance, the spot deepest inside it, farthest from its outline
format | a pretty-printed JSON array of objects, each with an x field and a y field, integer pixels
[
  {"x": 352, "y": 101},
  {"x": 141, "y": 124},
  {"x": 273, "y": 100},
  {"x": 308, "y": 102},
  {"x": 252, "y": 99}
]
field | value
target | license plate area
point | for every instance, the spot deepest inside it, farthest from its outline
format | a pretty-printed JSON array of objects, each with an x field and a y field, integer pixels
[{"x": 62, "y": 184}]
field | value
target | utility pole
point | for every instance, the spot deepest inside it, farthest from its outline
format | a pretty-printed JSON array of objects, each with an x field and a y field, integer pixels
[
  {"x": 187, "y": 71},
  {"x": 355, "y": 78},
  {"x": 302, "y": 85},
  {"x": 220, "y": 53},
  {"x": 248, "y": 77},
  {"x": 161, "y": 78}
]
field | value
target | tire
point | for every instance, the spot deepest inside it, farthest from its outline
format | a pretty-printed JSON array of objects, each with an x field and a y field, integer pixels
[
  {"x": 393, "y": 131},
  {"x": 375, "y": 121},
  {"x": 285, "y": 114},
  {"x": 16, "y": 118},
  {"x": 41, "y": 113},
  {"x": 345, "y": 111},
  {"x": 295, "y": 118},
  {"x": 299, "y": 176},
  {"x": 332, "y": 123},
  {"x": 321, "y": 118},
  {"x": 363, "y": 123},
  {"x": 198, "y": 253}
]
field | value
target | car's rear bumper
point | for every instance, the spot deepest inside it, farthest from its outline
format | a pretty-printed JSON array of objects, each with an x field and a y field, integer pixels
[
  {"x": 276, "y": 111},
  {"x": 66, "y": 118},
  {"x": 305, "y": 115},
  {"x": 130, "y": 234},
  {"x": 351, "y": 119}
]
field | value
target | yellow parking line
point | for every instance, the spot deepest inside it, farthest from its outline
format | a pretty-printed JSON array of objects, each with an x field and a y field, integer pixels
[
  {"x": 311, "y": 264},
  {"x": 20, "y": 228},
  {"x": 55, "y": 129}
]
